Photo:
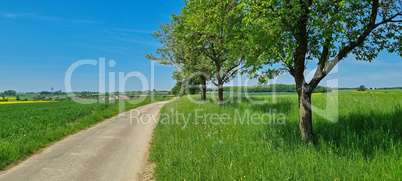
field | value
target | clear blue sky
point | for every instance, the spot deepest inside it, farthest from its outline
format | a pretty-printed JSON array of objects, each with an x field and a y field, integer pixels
[{"x": 39, "y": 40}]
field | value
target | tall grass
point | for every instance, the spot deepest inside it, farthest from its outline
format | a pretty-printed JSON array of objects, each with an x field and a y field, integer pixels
[
  {"x": 26, "y": 128},
  {"x": 365, "y": 144}
]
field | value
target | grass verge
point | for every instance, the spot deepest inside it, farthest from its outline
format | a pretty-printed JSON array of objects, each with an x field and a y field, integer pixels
[{"x": 365, "y": 144}]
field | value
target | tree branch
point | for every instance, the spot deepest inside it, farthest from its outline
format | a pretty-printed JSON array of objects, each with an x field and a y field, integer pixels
[
  {"x": 214, "y": 83},
  {"x": 231, "y": 75},
  {"x": 233, "y": 67},
  {"x": 321, "y": 63},
  {"x": 345, "y": 50}
]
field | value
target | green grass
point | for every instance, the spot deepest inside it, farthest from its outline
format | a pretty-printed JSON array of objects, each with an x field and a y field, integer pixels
[
  {"x": 377, "y": 90},
  {"x": 252, "y": 93},
  {"x": 365, "y": 144},
  {"x": 26, "y": 128}
]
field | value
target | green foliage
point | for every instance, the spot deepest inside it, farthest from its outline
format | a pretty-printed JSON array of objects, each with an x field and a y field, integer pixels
[
  {"x": 176, "y": 90},
  {"x": 386, "y": 88},
  {"x": 362, "y": 88},
  {"x": 10, "y": 93},
  {"x": 39, "y": 97},
  {"x": 185, "y": 86},
  {"x": 365, "y": 144},
  {"x": 290, "y": 33},
  {"x": 215, "y": 29},
  {"x": 59, "y": 92},
  {"x": 90, "y": 95},
  {"x": 190, "y": 63},
  {"x": 45, "y": 93},
  {"x": 271, "y": 88}
]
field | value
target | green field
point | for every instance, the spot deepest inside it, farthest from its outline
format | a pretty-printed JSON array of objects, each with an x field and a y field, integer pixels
[
  {"x": 251, "y": 93},
  {"x": 26, "y": 128},
  {"x": 365, "y": 144}
]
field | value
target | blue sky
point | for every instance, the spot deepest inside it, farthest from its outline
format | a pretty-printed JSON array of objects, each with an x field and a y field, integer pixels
[{"x": 39, "y": 40}]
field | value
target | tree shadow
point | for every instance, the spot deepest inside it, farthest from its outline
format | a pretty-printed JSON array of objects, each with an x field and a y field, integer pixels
[
  {"x": 260, "y": 104},
  {"x": 279, "y": 107},
  {"x": 363, "y": 133}
]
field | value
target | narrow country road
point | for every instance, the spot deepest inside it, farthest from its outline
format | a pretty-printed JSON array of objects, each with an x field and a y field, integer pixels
[{"x": 111, "y": 150}]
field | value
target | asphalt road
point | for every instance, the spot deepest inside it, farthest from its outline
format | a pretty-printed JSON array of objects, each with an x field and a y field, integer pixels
[{"x": 111, "y": 150}]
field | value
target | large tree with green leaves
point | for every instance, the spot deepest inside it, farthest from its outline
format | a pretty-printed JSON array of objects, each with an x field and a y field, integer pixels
[
  {"x": 10, "y": 93},
  {"x": 183, "y": 57},
  {"x": 292, "y": 32},
  {"x": 215, "y": 28}
]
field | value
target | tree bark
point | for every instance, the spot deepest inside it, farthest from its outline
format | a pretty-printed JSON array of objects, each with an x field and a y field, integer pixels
[
  {"x": 203, "y": 88},
  {"x": 220, "y": 95},
  {"x": 305, "y": 115}
]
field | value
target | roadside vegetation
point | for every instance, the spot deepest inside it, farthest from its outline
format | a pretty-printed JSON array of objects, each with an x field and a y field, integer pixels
[
  {"x": 26, "y": 128},
  {"x": 214, "y": 41},
  {"x": 365, "y": 144}
]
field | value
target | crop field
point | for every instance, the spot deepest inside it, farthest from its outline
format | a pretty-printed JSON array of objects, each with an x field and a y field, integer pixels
[
  {"x": 250, "y": 93},
  {"x": 24, "y": 102},
  {"x": 26, "y": 128},
  {"x": 10, "y": 98},
  {"x": 205, "y": 142}
]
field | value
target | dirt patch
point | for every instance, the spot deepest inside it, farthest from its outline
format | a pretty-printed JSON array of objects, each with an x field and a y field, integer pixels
[{"x": 147, "y": 168}]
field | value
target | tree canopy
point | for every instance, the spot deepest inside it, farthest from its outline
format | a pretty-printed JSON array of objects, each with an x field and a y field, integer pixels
[
  {"x": 215, "y": 29},
  {"x": 10, "y": 93},
  {"x": 228, "y": 37},
  {"x": 292, "y": 33}
]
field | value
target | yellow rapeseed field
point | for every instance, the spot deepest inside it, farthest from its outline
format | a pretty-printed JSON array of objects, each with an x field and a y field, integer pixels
[
  {"x": 317, "y": 93},
  {"x": 19, "y": 102},
  {"x": 8, "y": 98},
  {"x": 367, "y": 92}
]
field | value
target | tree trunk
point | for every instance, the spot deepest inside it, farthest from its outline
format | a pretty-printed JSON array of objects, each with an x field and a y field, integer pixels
[
  {"x": 203, "y": 88},
  {"x": 305, "y": 115},
  {"x": 220, "y": 95}
]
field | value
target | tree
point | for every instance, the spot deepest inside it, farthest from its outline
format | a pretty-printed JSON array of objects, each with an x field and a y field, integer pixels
[
  {"x": 45, "y": 92},
  {"x": 185, "y": 85},
  {"x": 198, "y": 71},
  {"x": 184, "y": 58},
  {"x": 215, "y": 28},
  {"x": 362, "y": 88},
  {"x": 291, "y": 33},
  {"x": 176, "y": 89},
  {"x": 10, "y": 93}
]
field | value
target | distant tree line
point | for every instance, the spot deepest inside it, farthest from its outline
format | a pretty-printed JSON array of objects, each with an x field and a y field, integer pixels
[
  {"x": 363, "y": 88},
  {"x": 386, "y": 88},
  {"x": 59, "y": 92},
  {"x": 10, "y": 93}
]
